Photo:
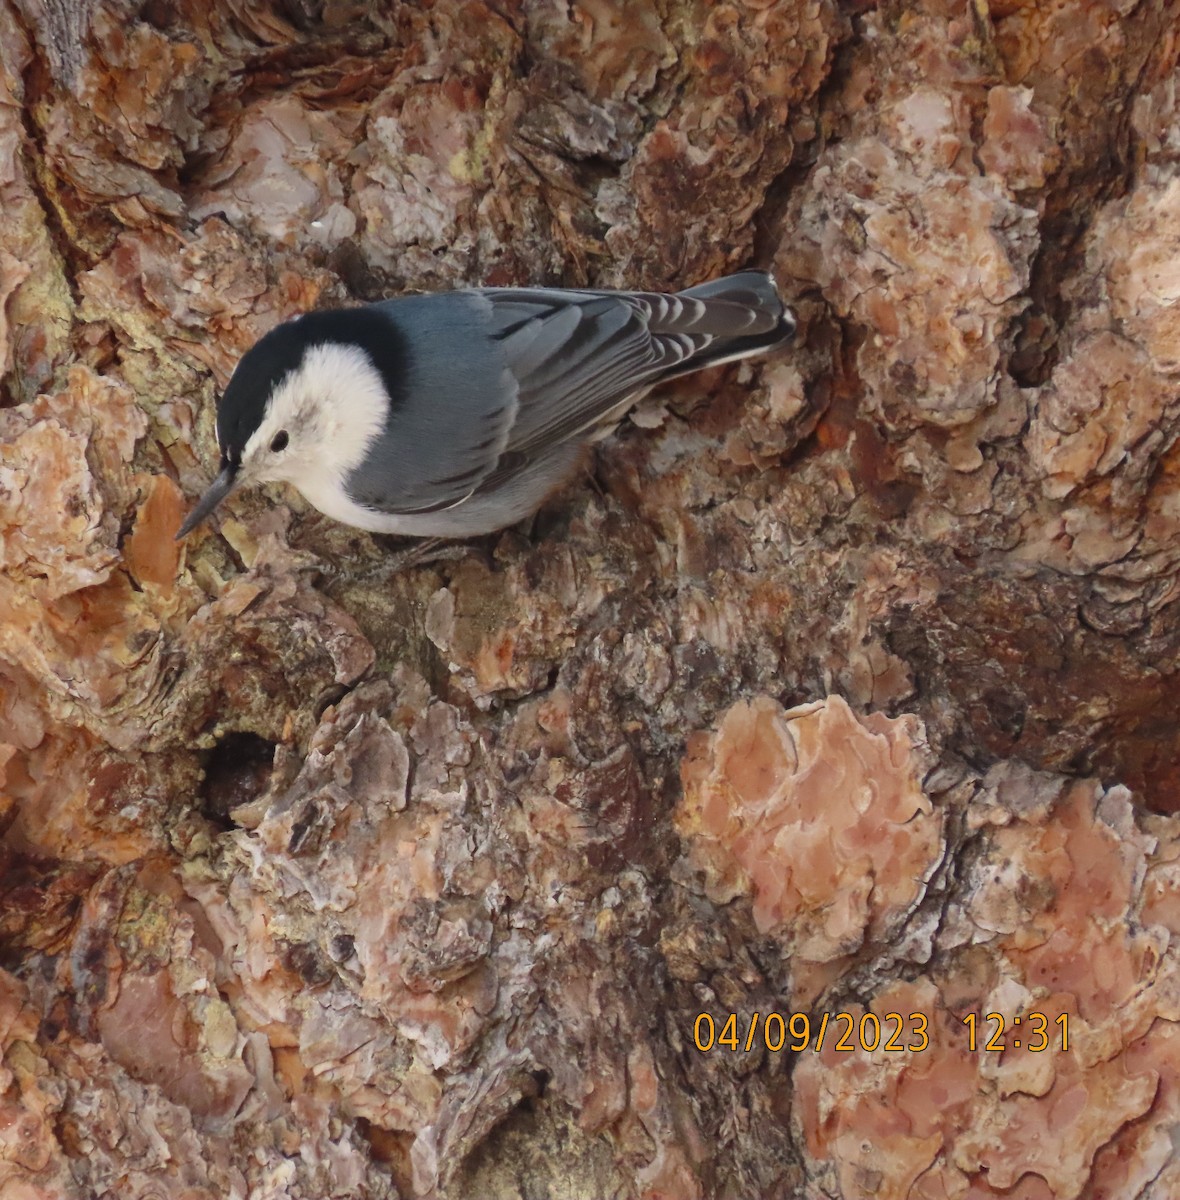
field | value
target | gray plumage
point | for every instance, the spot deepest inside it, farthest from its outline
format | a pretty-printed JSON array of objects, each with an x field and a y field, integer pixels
[{"x": 473, "y": 405}]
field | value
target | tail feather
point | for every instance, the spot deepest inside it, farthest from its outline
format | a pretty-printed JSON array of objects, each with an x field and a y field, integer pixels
[{"x": 747, "y": 302}]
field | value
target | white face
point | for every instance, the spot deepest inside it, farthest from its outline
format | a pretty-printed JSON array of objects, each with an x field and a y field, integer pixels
[{"x": 330, "y": 411}]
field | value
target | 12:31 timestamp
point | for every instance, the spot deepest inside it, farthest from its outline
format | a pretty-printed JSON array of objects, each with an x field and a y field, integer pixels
[{"x": 1032, "y": 1031}]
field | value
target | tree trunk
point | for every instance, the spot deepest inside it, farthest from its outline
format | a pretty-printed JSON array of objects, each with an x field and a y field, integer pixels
[{"x": 788, "y": 812}]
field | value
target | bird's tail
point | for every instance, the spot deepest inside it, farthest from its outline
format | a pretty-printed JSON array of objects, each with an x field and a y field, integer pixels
[{"x": 743, "y": 314}]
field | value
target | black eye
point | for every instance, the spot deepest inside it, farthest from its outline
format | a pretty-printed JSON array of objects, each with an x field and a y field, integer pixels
[{"x": 280, "y": 440}]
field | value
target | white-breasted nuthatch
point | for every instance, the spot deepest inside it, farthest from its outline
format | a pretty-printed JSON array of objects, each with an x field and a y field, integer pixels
[{"x": 456, "y": 414}]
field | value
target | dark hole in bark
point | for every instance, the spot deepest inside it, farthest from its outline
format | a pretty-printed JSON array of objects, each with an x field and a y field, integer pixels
[{"x": 236, "y": 771}]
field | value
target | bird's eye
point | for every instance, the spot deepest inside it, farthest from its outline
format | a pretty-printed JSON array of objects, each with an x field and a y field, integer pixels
[{"x": 279, "y": 441}]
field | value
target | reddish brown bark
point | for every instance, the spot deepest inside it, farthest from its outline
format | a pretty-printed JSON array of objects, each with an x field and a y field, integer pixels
[{"x": 846, "y": 685}]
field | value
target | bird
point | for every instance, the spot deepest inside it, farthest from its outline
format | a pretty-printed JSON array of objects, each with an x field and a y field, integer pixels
[{"x": 453, "y": 414}]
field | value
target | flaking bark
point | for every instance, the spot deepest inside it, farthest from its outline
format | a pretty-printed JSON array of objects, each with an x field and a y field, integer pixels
[{"x": 845, "y": 683}]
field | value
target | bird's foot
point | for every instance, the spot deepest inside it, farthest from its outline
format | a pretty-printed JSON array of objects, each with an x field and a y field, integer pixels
[{"x": 429, "y": 550}]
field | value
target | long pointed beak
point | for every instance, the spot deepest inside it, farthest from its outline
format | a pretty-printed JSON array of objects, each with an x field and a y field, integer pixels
[{"x": 215, "y": 493}]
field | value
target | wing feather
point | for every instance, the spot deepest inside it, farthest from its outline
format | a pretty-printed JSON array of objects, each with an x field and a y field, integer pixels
[
  {"x": 577, "y": 358},
  {"x": 504, "y": 376}
]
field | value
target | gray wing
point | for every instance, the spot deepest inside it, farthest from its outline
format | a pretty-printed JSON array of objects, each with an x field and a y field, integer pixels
[
  {"x": 497, "y": 377},
  {"x": 578, "y": 356},
  {"x": 452, "y": 406}
]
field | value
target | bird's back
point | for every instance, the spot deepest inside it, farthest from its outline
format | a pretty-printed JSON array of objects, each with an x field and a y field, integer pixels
[{"x": 502, "y": 386}]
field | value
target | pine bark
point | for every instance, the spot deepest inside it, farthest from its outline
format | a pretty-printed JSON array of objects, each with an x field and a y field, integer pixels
[{"x": 839, "y": 698}]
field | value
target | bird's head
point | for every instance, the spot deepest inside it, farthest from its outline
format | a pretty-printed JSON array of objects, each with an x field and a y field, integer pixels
[{"x": 303, "y": 405}]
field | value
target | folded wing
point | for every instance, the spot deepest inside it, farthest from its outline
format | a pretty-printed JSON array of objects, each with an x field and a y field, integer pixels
[
  {"x": 579, "y": 356},
  {"x": 501, "y": 376}
]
